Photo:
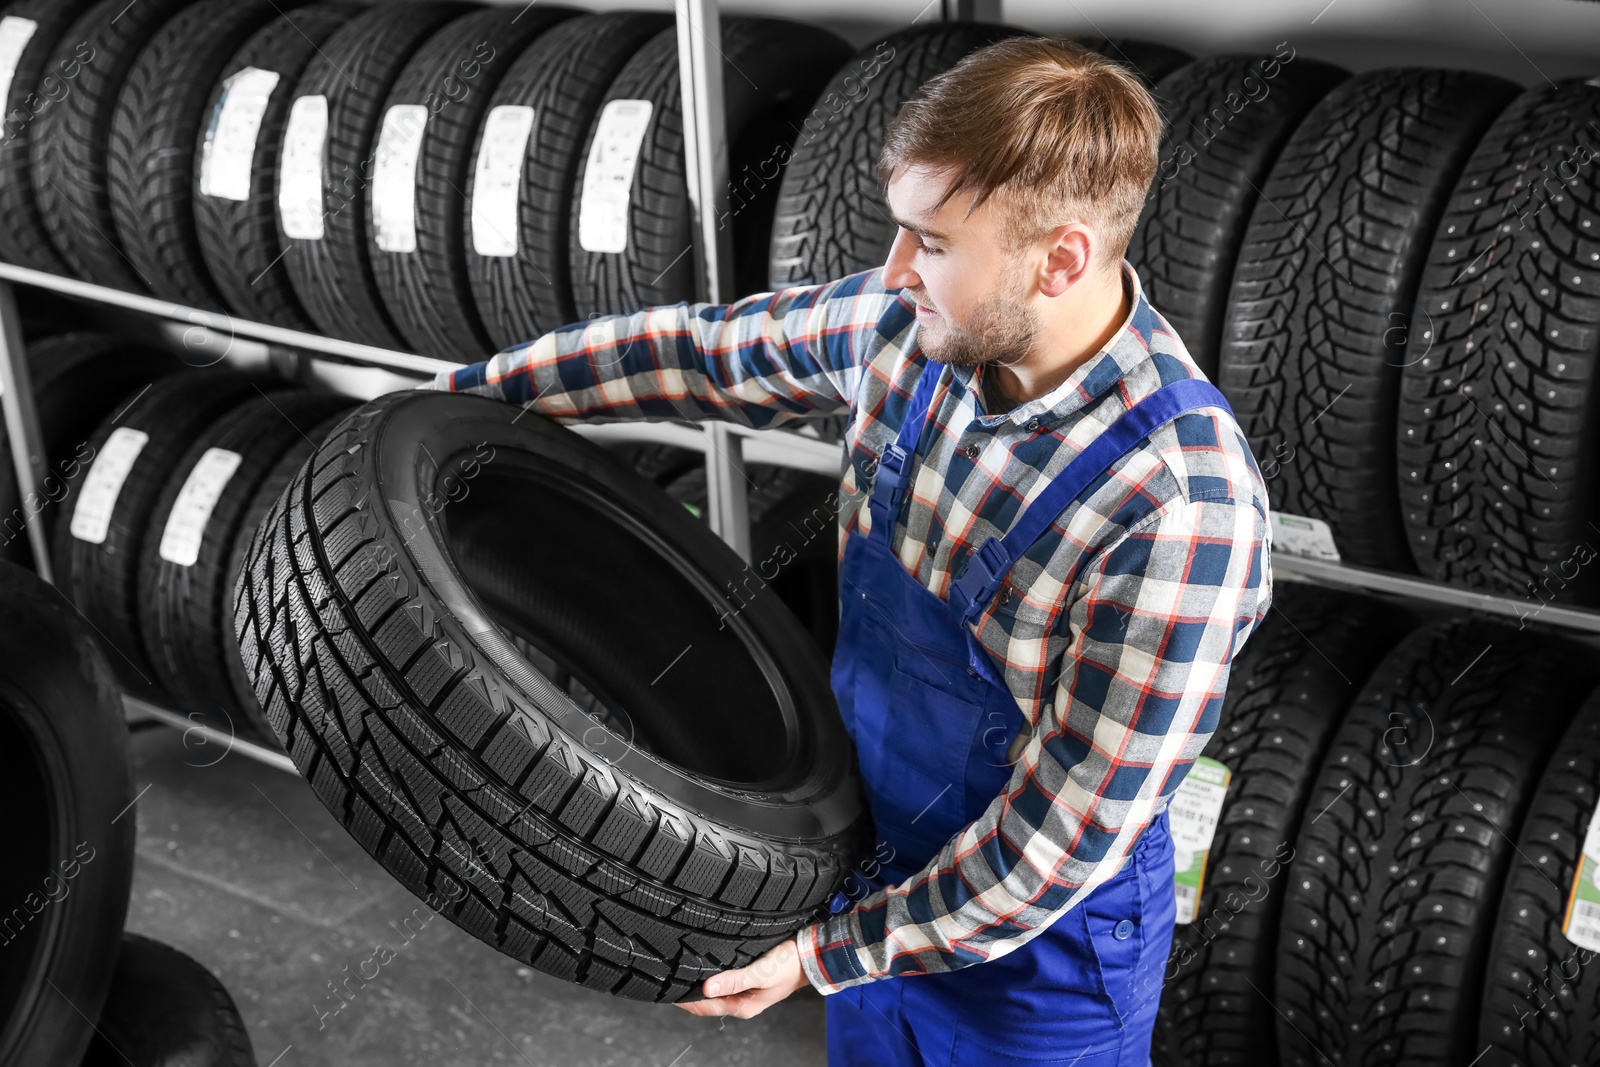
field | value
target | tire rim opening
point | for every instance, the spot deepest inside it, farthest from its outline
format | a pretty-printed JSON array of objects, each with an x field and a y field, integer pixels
[{"x": 602, "y": 606}]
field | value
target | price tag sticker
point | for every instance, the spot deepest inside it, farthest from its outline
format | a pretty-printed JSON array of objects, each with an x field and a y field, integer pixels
[
  {"x": 608, "y": 176},
  {"x": 300, "y": 168},
  {"x": 394, "y": 177},
  {"x": 186, "y": 522},
  {"x": 1193, "y": 813},
  {"x": 91, "y": 518},
  {"x": 1581, "y": 924},
  {"x": 15, "y": 33},
  {"x": 498, "y": 180},
  {"x": 1299, "y": 535},
  {"x": 228, "y": 154}
]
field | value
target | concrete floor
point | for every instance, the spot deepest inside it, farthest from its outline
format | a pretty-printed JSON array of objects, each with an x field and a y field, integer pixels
[{"x": 241, "y": 866}]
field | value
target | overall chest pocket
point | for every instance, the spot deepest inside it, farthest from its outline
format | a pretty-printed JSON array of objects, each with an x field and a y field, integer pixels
[{"x": 916, "y": 763}]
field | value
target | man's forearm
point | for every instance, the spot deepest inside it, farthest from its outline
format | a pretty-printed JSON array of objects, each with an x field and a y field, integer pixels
[{"x": 762, "y": 360}]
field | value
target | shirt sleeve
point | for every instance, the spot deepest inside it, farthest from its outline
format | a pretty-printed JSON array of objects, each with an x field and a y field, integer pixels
[
  {"x": 763, "y": 360},
  {"x": 1150, "y": 639}
]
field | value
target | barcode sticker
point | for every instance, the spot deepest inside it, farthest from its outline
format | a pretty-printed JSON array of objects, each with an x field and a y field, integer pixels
[
  {"x": 1582, "y": 921},
  {"x": 1193, "y": 813},
  {"x": 91, "y": 517},
  {"x": 497, "y": 182},
  {"x": 300, "y": 169},
  {"x": 186, "y": 522},
  {"x": 608, "y": 175},
  {"x": 1299, "y": 535},
  {"x": 15, "y": 33},
  {"x": 394, "y": 178},
  {"x": 228, "y": 154}
]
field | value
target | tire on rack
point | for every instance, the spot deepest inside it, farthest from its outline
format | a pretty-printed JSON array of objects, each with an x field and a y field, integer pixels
[
  {"x": 234, "y": 571},
  {"x": 78, "y": 379},
  {"x": 328, "y": 146},
  {"x": 237, "y": 233},
  {"x": 416, "y": 240},
  {"x": 1150, "y": 60},
  {"x": 831, "y": 218},
  {"x": 796, "y": 538},
  {"x": 102, "y": 576},
  {"x": 383, "y": 640},
  {"x": 1393, "y": 885},
  {"x": 34, "y": 84},
  {"x": 67, "y": 153},
  {"x": 68, "y": 785},
  {"x": 166, "y": 1010},
  {"x": 1287, "y": 693},
  {"x": 184, "y": 589},
  {"x": 1311, "y": 359},
  {"x": 160, "y": 114},
  {"x": 1499, "y": 435},
  {"x": 653, "y": 225},
  {"x": 517, "y": 258},
  {"x": 1541, "y": 993},
  {"x": 1199, "y": 205}
]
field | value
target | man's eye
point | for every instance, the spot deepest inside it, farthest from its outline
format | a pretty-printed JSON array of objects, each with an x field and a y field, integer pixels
[{"x": 932, "y": 251}]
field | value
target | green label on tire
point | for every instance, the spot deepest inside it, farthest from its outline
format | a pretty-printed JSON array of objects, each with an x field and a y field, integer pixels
[
  {"x": 1193, "y": 812},
  {"x": 1582, "y": 921}
]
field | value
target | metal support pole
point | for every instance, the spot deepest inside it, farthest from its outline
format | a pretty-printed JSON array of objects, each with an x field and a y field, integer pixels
[
  {"x": 22, "y": 429},
  {"x": 969, "y": 10},
  {"x": 705, "y": 143}
]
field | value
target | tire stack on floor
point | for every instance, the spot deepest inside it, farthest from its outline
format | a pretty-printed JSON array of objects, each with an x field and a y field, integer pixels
[
  {"x": 1396, "y": 813},
  {"x": 77, "y": 989}
]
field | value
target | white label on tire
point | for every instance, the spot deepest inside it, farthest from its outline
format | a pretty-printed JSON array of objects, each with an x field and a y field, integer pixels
[
  {"x": 608, "y": 176},
  {"x": 1581, "y": 923},
  {"x": 229, "y": 151},
  {"x": 92, "y": 515},
  {"x": 186, "y": 523},
  {"x": 300, "y": 169},
  {"x": 15, "y": 33},
  {"x": 498, "y": 179},
  {"x": 1193, "y": 813},
  {"x": 394, "y": 177},
  {"x": 1299, "y": 535}
]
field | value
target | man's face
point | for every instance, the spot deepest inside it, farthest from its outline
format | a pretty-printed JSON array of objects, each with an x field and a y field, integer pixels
[{"x": 975, "y": 302}]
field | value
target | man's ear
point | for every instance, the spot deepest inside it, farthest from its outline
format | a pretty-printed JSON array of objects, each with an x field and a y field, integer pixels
[{"x": 1070, "y": 249}]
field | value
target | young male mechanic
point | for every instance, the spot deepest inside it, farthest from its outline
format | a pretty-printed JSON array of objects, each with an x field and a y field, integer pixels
[{"x": 1063, "y": 544}]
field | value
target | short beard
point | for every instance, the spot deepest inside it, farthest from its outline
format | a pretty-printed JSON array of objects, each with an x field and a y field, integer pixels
[{"x": 1003, "y": 331}]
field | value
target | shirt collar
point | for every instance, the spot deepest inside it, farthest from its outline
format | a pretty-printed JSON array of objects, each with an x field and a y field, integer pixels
[{"x": 1128, "y": 347}]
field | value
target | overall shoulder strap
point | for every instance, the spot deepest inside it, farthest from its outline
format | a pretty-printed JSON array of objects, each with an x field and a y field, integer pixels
[
  {"x": 988, "y": 566},
  {"x": 888, "y": 485}
]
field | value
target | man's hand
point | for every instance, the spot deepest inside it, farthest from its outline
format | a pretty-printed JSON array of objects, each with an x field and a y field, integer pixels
[{"x": 745, "y": 992}]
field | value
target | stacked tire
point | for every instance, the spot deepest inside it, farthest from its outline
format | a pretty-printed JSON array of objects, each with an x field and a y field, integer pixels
[
  {"x": 150, "y": 519},
  {"x": 1401, "y": 811}
]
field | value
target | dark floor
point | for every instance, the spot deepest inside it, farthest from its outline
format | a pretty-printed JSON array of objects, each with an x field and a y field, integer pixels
[{"x": 242, "y": 867}]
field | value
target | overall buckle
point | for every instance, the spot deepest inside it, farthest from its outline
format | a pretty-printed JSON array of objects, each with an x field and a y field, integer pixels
[
  {"x": 893, "y": 461},
  {"x": 986, "y": 568}
]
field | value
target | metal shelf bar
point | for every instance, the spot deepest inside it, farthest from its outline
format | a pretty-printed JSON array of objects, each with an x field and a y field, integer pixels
[
  {"x": 1344, "y": 576},
  {"x": 137, "y": 709},
  {"x": 22, "y": 427},
  {"x": 705, "y": 145}
]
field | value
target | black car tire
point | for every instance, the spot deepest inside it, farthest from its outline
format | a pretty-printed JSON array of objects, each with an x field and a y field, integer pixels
[
  {"x": 557, "y": 808},
  {"x": 68, "y": 786}
]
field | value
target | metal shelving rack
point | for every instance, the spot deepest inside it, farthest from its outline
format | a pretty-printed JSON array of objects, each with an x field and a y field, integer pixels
[{"x": 727, "y": 447}]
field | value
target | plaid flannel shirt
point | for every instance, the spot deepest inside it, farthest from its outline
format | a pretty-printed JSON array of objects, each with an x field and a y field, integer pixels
[{"x": 1114, "y": 632}]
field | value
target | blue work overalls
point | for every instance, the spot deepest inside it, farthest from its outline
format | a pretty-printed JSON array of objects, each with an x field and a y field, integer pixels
[{"x": 932, "y": 719}]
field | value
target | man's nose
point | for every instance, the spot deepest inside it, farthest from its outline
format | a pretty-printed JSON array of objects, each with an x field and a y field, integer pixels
[{"x": 897, "y": 272}]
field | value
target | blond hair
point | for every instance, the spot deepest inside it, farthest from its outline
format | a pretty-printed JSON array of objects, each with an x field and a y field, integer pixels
[{"x": 1051, "y": 129}]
